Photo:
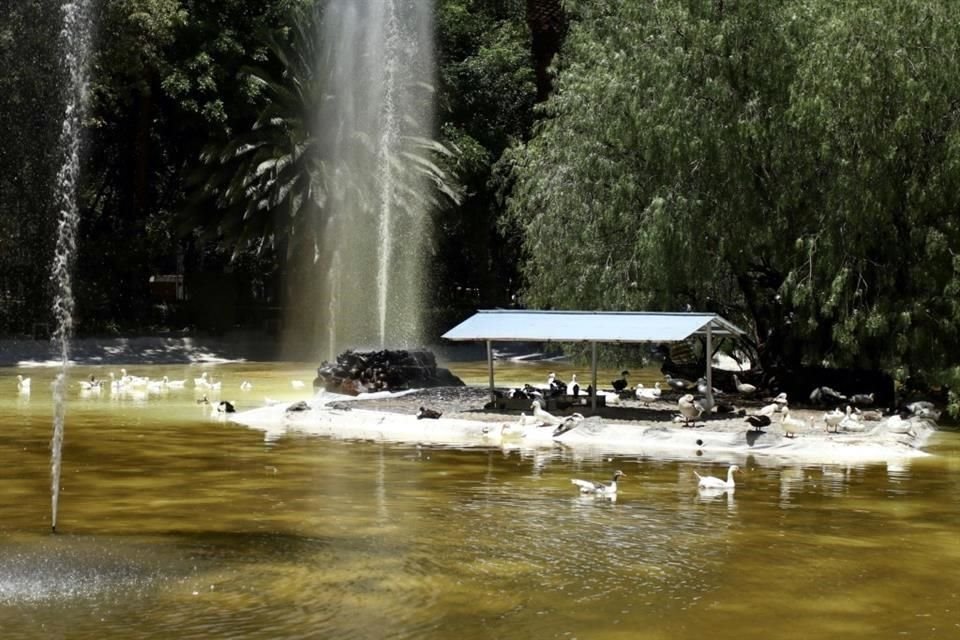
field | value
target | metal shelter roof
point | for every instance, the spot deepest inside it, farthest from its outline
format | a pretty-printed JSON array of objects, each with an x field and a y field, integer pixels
[{"x": 508, "y": 325}]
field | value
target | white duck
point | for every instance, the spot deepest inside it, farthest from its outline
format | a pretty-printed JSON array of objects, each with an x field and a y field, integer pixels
[
  {"x": 743, "y": 387},
  {"x": 246, "y": 385},
  {"x": 710, "y": 482},
  {"x": 201, "y": 382},
  {"x": 23, "y": 384},
  {"x": 589, "y": 487}
]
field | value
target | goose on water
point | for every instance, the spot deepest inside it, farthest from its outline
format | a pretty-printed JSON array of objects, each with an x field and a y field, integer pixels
[
  {"x": 710, "y": 482},
  {"x": 23, "y": 384},
  {"x": 201, "y": 382},
  {"x": 246, "y": 385},
  {"x": 90, "y": 385},
  {"x": 589, "y": 487}
]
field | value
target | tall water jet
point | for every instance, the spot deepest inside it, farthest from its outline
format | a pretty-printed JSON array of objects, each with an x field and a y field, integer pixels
[
  {"x": 375, "y": 65},
  {"x": 75, "y": 41}
]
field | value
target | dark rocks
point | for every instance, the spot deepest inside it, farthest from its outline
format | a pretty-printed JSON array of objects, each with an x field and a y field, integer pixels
[{"x": 357, "y": 372}]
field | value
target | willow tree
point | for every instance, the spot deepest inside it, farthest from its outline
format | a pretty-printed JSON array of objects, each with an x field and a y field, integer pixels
[
  {"x": 878, "y": 97},
  {"x": 714, "y": 156}
]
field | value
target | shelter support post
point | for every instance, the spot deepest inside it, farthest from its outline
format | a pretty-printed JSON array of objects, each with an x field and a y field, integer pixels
[
  {"x": 709, "y": 364},
  {"x": 493, "y": 393},
  {"x": 593, "y": 379}
]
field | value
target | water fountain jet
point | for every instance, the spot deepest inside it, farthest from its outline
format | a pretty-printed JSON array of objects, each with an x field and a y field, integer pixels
[
  {"x": 367, "y": 269},
  {"x": 75, "y": 40}
]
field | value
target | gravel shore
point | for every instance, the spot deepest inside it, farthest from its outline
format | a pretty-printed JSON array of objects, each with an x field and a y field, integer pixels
[{"x": 468, "y": 403}]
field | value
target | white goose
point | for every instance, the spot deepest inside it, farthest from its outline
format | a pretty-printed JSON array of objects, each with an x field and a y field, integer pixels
[
  {"x": 768, "y": 409},
  {"x": 743, "y": 387},
  {"x": 543, "y": 417},
  {"x": 201, "y": 382},
  {"x": 174, "y": 384},
  {"x": 297, "y": 384},
  {"x": 589, "y": 487},
  {"x": 791, "y": 425},
  {"x": 246, "y": 385},
  {"x": 92, "y": 385},
  {"x": 23, "y": 384},
  {"x": 833, "y": 419},
  {"x": 646, "y": 395},
  {"x": 710, "y": 482},
  {"x": 115, "y": 384}
]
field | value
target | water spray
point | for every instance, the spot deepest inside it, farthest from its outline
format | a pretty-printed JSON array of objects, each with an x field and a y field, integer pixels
[{"x": 75, "y": 39}]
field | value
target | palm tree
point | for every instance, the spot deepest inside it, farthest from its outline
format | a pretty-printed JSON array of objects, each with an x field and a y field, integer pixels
[{"x": 272, "y": 185}]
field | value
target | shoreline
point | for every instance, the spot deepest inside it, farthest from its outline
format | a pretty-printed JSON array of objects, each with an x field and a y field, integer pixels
[
  {"x": 152, "y": 349},
  {"x": 648, "y": 432}
]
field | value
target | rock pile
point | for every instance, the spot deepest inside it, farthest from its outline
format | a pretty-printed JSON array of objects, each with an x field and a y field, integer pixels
[{"x": 357, "y": 372}]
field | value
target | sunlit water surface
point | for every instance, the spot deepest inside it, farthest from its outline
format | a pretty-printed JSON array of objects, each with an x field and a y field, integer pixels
[{"x": 173, "y": 523}]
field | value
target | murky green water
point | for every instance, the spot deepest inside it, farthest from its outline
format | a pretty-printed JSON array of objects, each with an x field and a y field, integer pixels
[{"x": 176, "y": 524}]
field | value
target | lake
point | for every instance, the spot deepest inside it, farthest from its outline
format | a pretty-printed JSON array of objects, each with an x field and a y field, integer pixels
[{"x": 174, "y": 523}]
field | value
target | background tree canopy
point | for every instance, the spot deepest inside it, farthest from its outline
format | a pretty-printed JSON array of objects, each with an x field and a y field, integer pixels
[{"x": 792, "y": 165}]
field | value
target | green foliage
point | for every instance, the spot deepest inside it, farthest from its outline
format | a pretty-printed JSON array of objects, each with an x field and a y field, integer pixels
[
  {"x": 485, "y": 102},
  {"x": 791, "y": 165},
  {"x": 271, "y": 185}
]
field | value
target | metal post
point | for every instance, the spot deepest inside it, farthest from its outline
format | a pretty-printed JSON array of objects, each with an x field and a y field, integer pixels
[
  {"x": 709, "y": 363},
  {"x": 593, "y": 395},
  {"x": 493, "y": 393}
]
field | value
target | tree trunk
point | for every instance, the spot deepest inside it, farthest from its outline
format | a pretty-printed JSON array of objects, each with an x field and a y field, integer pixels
[{"x": 548, "y": 27}]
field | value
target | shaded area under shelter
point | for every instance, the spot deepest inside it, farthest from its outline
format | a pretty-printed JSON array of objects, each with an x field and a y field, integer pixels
[{"x": 593, "y": 327}]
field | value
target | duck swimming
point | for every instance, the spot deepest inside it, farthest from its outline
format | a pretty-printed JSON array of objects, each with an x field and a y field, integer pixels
[
  {"x": 588, "y": 487},
  {"x": 710, "y": 482}
]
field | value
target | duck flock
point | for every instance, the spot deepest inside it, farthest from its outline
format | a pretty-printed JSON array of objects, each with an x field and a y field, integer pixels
[
  {"x": 133, "y": 387},
  {"x": 697, "y": 402}
]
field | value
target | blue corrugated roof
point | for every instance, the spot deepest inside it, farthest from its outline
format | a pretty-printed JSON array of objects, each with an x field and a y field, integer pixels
[{"x": 507, "y": 325}]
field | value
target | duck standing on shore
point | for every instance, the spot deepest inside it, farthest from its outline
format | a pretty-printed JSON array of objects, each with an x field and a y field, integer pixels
[{"x": 621, "y": 383}]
